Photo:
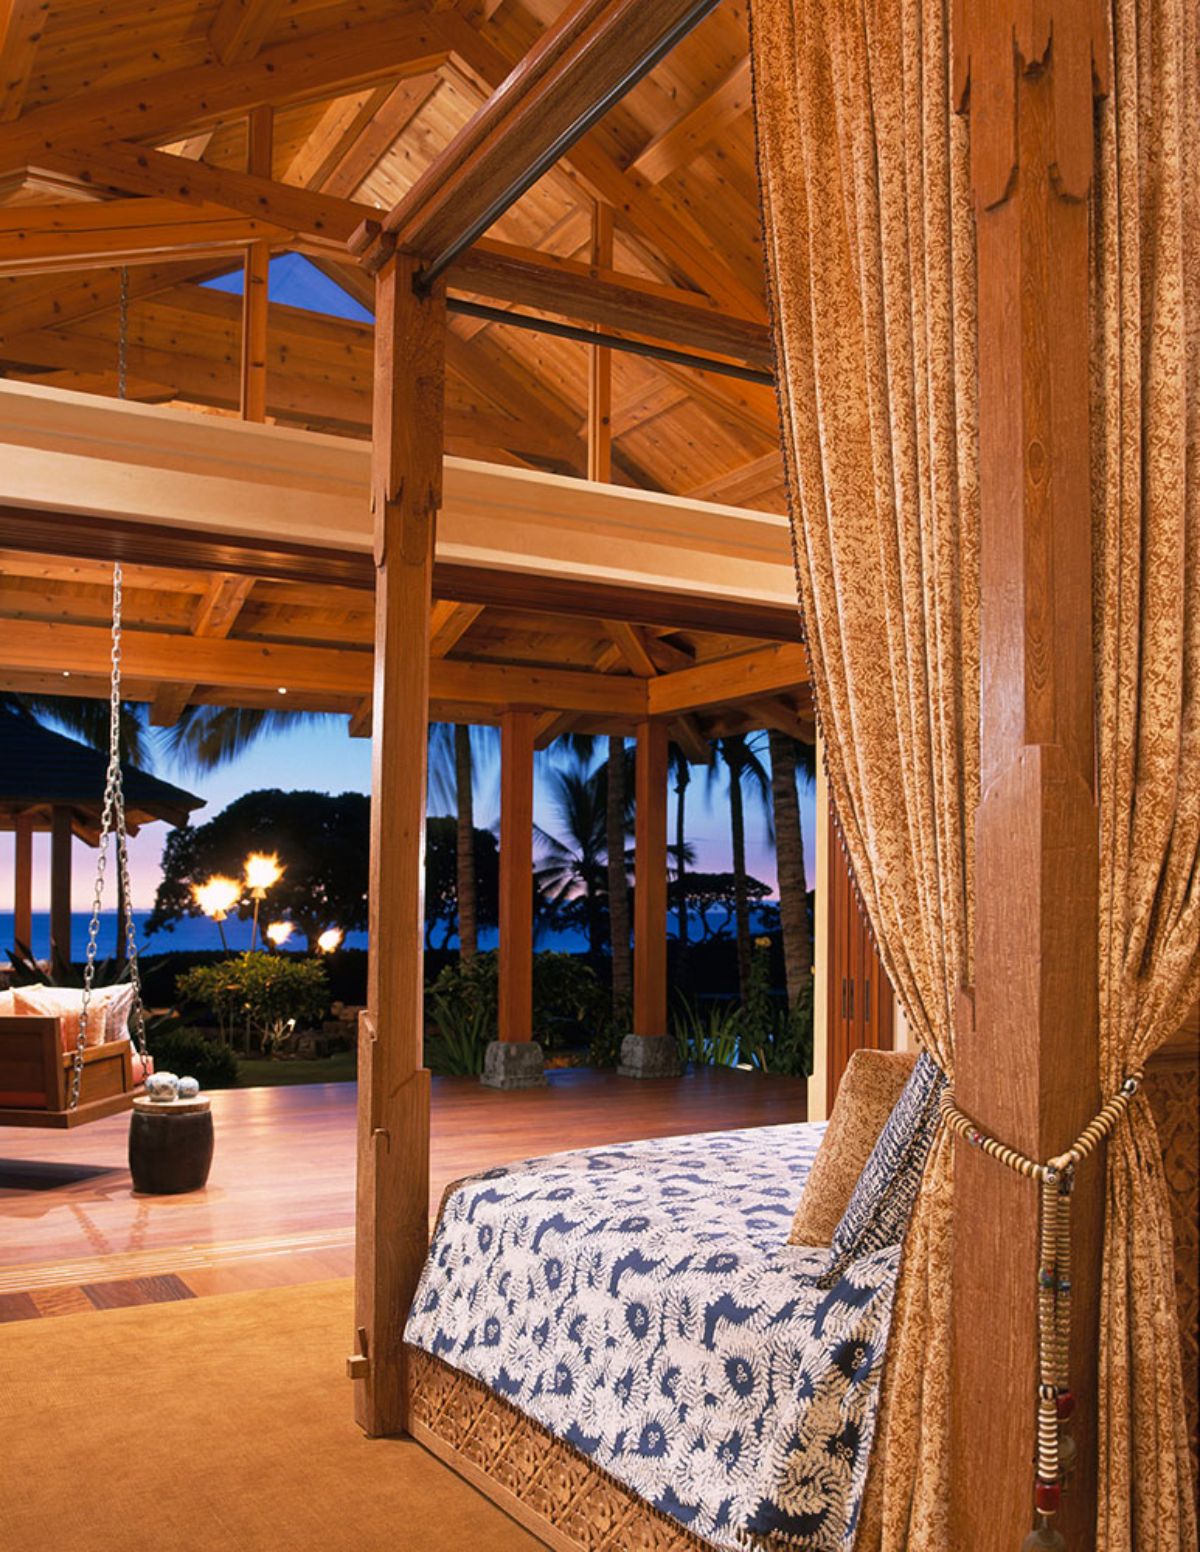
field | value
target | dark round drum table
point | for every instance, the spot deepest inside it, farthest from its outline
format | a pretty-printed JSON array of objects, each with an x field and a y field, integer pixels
[{"x": 170, "y": 1145}]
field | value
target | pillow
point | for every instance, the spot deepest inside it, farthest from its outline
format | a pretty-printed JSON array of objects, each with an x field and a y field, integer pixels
[
  {"x": 879, "y": 1208},
  {"x": 107, "y": 1015},
  {"x": 871, "y": 1085},
  {"x": 7, "y": 1010}
]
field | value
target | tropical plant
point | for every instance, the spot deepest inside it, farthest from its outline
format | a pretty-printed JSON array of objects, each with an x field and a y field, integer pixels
[
  {"x": 322, "y": 840},
  {"x": 457, "y": 1035},
  {"x": 190, "y": 1053},
  {"x": 455, "y": 752},
  {"x": 260, "y": 994},
  {"x": 574, "y": 863},
  {"x": 444, "y": 873},
  {"x": 568, "y": 997},
  {"x": 681, "y": 775},
  {"x": 616, "y": 828},
  {"x": 747, "y": 775},
  {"x": 709, "y": 1037},
  {"x": 203, "y": 738},
  {"x": 790, "y": 758}
]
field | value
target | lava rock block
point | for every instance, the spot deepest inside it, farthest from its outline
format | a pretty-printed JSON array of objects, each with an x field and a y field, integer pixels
[
  {"x": 513, "y": 1064},
  {"x": 648, "y": 1056}
]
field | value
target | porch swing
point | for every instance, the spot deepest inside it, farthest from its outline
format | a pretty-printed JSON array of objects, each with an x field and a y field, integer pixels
[{"x": 41, "y": 1083}]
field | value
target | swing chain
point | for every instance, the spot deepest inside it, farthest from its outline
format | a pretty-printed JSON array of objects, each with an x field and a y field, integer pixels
[{"x": 112, "y": 818}]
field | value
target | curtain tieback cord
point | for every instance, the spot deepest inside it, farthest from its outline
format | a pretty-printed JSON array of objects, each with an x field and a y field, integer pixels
[{"x": 1056, "y": 1404}]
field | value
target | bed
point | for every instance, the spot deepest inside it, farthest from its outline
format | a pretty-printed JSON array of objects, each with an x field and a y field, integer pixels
[{"x": 620, "y": 1346}]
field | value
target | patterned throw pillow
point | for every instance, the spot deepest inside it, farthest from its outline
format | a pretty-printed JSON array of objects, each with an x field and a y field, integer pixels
[
  {"x": 108, "y": 1015},
  {"x": 870, "y": 1087},
  {"x": 878, "y": 1211}
]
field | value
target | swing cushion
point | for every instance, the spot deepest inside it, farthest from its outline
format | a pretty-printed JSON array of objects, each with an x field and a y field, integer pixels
[
  {"x": 108, "y": 1015},
  {"x": 7, "y": 1010},
  {"x": 871, "y": 1085}
]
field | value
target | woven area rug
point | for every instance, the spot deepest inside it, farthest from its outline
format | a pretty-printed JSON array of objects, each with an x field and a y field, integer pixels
[{"x": 214, "y": 1424}]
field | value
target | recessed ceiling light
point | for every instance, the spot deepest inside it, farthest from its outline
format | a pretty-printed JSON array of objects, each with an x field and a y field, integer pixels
[
  {"x": 66, "y": 673},
  {"x": 282, "y": 689}
]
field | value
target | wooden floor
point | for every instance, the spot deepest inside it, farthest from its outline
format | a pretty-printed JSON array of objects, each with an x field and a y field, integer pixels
[{"x": 279, "y": 1205}]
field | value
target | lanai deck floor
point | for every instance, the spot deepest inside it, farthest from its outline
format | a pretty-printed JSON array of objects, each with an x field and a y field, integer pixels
[{"x": 279, "y": 1206}]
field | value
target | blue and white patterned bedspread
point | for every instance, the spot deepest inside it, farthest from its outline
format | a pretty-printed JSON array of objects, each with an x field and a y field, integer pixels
[{"x": 641, "y": 1302}]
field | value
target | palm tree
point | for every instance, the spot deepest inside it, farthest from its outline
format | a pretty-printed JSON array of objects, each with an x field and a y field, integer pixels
[
  {"x": 454, "y": 753},
  {"x": 616, "y": 821},
  {"x": 789, "y": 757},
  {"x": 681, "y": 770},
  {"x": 745, "y": 770},
  {"x": 573, "y": 864}
]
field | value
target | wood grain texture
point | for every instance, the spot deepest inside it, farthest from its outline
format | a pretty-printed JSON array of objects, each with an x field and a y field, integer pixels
[
  {"x": 1026, "y": 1068},
  {"x": 393, "y": 1135}
]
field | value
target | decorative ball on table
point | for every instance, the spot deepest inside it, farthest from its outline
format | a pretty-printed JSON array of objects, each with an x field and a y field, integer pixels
[{"x": 170, "y": 1137}]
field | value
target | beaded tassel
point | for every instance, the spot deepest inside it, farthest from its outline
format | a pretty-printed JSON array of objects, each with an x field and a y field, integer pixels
[{"x": 1055, "y": 1401}]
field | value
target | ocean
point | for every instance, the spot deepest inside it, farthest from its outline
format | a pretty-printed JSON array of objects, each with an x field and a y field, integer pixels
[{"x": 195, "y": 933}]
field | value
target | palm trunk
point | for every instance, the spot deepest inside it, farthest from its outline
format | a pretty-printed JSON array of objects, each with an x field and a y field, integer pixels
[
  {"x": 681, "y": 786},
  {"x": 465, "y": 882},
  {"x": 789, "y": 858},
  {"x": 618, "y": 882},
  {"x": 737, "y": 825}
]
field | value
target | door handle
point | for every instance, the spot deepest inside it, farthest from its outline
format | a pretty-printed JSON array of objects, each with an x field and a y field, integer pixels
[
  {"x": 867, "y": 1000},
  {"x": 851, "y": 1013}
]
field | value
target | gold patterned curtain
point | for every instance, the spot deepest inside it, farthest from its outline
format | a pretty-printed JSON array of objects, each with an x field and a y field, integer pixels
[
  {"x": 870, "y": 250},
  {"x": 1146, "y": 503},
  {"x": 870, "y": 253}
]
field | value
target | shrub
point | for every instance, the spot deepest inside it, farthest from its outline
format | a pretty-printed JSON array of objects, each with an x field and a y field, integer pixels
[
  {"x": 259, "y": 993},
  {"x": 568, "y": 997},
  {"x": 457, "y": 1035},
  {"x": 190, "y": 1054}
]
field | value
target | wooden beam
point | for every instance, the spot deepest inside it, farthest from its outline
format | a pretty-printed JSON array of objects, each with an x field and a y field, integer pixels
[
  {"x": 60, "y": 881},
  {"x": 451, "y": 623},
  {"x": 1026, "y": 1063},
  {"x": 363, "y": 154},
  {"x": 240, "y": 27},
  {"x": 335, "y": 132},
  {"x": 551, "y": 725},
  {"x": 46, "y": 238},
  {"x": 215, "y": 615},
  {"x": 747, "y": 676},
  {"x": 172, "y": 659},
  {"x": 515, "y": 1009},
  {"x": 596, "y": 293},
  {"x": 687, "y": 734},
  {"x": 392, "y": 1232},
  {"x": 632, "y": 647},
  {"x": 121, "y": 168},
  {"x": 21, "y": 26},
  {"x": 692, "y": 131},
  {"x": 30, "y": 303},
  {"x": 597, "y": 48},
  {"x": 256, "y": 279},
  {"x": 599, "y": 401},
  {"x": 23, "y": 881},
  {"x": 650, "y": 895},
  {"x": 207, "y": 95}
]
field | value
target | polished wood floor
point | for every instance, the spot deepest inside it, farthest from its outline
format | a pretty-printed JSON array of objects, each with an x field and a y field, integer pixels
[{"x": 279, "y": 1205}]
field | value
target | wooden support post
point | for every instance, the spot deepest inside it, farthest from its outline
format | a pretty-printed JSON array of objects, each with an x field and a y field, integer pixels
[
  {"x": 1026, "y": 1065},
  {"x": 600, "y": 362},
  {"x": 393, "y": 1096},
  {"x": 515, "y": 1017},
  {"x": 256, "y": 279},
  {"x": 650, "y": 894},
  {"x": 23, "y": 881},
  {"x": 60, "y": 882}
]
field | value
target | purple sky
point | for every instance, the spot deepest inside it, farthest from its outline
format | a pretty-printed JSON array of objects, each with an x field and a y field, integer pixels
[{"x": 325, "y": 758}]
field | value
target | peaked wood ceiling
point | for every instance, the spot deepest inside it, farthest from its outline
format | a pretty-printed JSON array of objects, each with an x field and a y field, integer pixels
[{"x": 674, "y": 159}]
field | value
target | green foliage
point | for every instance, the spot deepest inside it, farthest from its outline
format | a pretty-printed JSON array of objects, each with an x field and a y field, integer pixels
[
  {"x": 613, "y": 1024},
  {"x": 191, "y": 1054},
  {"x": 711, "y": 1037},
  {"x": 258, "y": 993},
  {"x": 756, "y": 1031},
  {"x": 457, "y": 1034},
  {"x": 568, "y": 999},
  {"x": 441, "y": 878}
]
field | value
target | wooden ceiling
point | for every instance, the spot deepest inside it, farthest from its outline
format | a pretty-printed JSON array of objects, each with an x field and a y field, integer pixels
[
  {"x": 366, "y": 93},
  {"x": 242, "y": 641}
]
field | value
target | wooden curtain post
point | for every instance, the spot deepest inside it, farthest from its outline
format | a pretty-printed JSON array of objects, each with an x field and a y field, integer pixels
[
  {"x": 1026, "y": 1064},
  {"x": 23, "y": 881},
  {"x": 256, "y": 278},
  {"x": 393, "y": 1097},
  {"x": 60, "y": 882}
]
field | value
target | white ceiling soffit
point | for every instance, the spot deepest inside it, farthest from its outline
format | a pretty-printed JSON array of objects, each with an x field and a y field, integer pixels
[{"x": 79, "y": 453}]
